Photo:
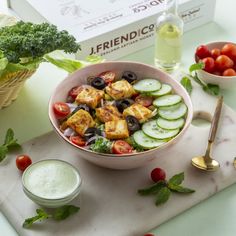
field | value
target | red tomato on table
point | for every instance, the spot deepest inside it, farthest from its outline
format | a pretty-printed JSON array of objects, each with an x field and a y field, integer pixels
[{"x": 23, "y": 161}]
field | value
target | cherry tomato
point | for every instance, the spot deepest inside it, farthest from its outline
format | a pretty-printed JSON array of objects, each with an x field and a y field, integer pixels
[
  {"x": 74, "y": 92},
  {"x": 61, "y": 109},
  {"x": 23, "y": 161},
  {"x": 108, "y": 76},
  {"x": 149, "y": 234},
  {"x": 229, "y": 50},
  {"x": 145, "y": 101},
  {"x": 229, "y": 72},
  {"x": 77, "y": 140},
  {"x": 223, "y": 62},
  {"x": 209, "y": 64},
  {"x": 121, "y": 147},
  {"x": 202, "y": 51},
  {"x": 158, "y": 174},
  {"x": 215, "y": 52}
]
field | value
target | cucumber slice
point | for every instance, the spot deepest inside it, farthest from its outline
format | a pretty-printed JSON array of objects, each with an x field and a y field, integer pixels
[
  {"x": 173, "y": 113},
  {"x": 165, "y": 89},
  {"x": 151, "y": 129},
  {"x": 167, "y": 100},
  {"x": 170, "y": 124},
  {"x": 145, "y": 141},
  {"x": 147, "y": 85}
]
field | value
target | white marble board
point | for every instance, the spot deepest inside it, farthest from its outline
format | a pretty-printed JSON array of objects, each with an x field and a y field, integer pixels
[{"x": 109, "y": 201}]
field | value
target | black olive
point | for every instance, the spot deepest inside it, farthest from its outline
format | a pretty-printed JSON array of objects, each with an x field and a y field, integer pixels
[
  {"x": 98, "y": 83},
  {"x": 81, "y": 106},
  {"x": 133, "y": 124},
  {"x": 91, "y": 132},
  {"x": 123, "y": 103},
  {"x": 129, "y": 76}
]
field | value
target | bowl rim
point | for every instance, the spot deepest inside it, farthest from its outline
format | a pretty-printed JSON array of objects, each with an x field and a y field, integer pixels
[
  {"x": 218, "y": 76},
  {"x": 123, "y": 156}
]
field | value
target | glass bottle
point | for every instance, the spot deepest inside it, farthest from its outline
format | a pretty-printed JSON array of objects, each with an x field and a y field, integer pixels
[{"x": 168, "y": 37}]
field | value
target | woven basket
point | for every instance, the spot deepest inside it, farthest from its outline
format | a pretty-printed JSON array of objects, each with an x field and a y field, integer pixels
[{"x": 10, "y": 89}]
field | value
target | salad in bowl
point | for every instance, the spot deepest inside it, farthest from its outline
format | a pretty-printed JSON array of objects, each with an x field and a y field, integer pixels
[{"x": 120, "y": 111}]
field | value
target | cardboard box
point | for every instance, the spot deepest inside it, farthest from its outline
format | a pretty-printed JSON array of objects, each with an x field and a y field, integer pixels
[{"x": 110, "y": 28}]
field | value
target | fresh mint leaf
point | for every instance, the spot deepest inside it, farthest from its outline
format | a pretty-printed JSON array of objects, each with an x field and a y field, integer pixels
[
  {"x": 197, "y": 66},
  {"x": 163, "y": 196},
  {"x": 180, "y": 189},
  {"x": 212, "y": 89},
  {"x": 60, "y": 213},
  {"x": 9, "y": 136},
  {"x": 155, "y": 188},
  {"x": 176, "y": 179},
  {"x": 186, "y": 82},
  {"x": 64, "y": 212},
  {"x": 9, "y": 142},
  {"x": 3, "y": 152},
  {"x": 41, "y": 215}
]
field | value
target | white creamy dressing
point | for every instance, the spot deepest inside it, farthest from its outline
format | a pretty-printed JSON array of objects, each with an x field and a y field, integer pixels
[{"x": 51, "y": 179}]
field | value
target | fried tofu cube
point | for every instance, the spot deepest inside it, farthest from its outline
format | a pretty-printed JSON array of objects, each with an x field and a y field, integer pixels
[
  {"x": 90, "y": 96},
  {"x": 120, "y": 89},
  {"x": 140, "y": 112},
  {"x": 80, "y": 121},
  {"x": 108, "y": 113},
  {"x": 116, "y": 129}
]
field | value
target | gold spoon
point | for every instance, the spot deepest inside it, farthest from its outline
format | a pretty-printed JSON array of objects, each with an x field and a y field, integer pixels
[{"x": 206, "y": 162}]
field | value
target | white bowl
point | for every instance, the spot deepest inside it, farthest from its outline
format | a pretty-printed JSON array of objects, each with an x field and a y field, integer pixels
[
  {"x": 225, "y": 82},
  {"x": 114, "y": 161},
  {"x": 43, "y": 183}
]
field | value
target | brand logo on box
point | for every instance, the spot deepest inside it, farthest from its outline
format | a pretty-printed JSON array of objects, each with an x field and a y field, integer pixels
[{"x": 123, "y": 40}]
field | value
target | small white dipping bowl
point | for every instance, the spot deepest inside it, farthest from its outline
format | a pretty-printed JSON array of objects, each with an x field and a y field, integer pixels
[
  {"x": 225, "y": 82},
  {"x": 114, "y": 161},
  {"x": 51, "y": 183}
]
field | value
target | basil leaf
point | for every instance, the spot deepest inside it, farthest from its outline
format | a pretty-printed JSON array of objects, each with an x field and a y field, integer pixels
[
  {"x": 180, "y": 189},
  {"x": 212, "y": 89},
  {"x": 163, "y": 196},
  {"x": 41, "y": 215},
  {"x": 176, "y": 179},
  {"x": 155, "y": 188},
  {"x": 9, "y": 136},
  {"x": 64, "y": 212},
  {"x": 197, "y": 66},
  {"x": 186, "y": 82},
  {"x": 3, "y": 152}
]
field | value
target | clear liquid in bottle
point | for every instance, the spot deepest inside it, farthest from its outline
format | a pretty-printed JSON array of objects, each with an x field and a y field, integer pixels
[{"x": 168, "y": 39}]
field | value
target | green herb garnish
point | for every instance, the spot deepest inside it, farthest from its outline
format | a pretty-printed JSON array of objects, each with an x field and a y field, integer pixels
[
  {"x": 163, "y": 189},
  {"x": 9, "y": 142},
  {"x": 212, "y": 89},
  {"x": 60, "y": 213},
  {"x": 102, "y": 145}
]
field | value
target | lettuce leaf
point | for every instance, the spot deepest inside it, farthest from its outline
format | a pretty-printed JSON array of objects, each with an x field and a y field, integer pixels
[{"x": 71, "y": 65}]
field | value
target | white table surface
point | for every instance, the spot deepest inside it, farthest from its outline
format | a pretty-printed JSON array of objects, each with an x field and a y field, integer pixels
[{"x": 28, "y": 118}]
